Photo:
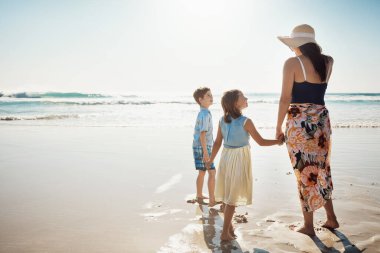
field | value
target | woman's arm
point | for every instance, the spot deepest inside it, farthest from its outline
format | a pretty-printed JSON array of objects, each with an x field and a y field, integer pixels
[
  {"x": 251, "y": 129},
  {"x": 286, "y": 94},
  {"x": 329, "y": 68},
  {"x": 217, "y": 144}
]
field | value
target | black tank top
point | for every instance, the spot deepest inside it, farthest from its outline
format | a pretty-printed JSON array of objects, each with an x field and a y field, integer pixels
[{"x": 306, "y": 92}]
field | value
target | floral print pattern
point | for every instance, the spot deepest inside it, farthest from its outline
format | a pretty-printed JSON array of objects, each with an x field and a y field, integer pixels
[{"x": 308, "y": 141}]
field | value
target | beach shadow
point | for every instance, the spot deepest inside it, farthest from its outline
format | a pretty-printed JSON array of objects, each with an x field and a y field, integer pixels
[
  {"x": 348, "y": 246},
  {"x": 259, "y": 251},
  {"x": 212, "y": 228},
  {"x": 322, "y": 247}
]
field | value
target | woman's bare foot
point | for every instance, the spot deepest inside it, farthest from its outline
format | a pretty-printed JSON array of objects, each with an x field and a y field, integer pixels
[
  {"x": 307, "y": 231},
  {"x": 226, "y": 237},
  {"x": 331, "y": 224}
]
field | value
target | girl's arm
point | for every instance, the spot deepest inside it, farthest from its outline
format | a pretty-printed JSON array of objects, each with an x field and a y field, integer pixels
[
  {"x": 286, "y": 94},
  {"x": 217, "y": 144},
  {"x": 251, "y": 129}
]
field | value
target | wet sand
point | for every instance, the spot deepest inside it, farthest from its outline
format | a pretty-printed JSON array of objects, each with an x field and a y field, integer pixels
[{"x": 105, "y": 189}]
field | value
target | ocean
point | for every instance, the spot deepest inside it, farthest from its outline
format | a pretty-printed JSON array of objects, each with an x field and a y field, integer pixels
[{"x": 347, "y": 110}]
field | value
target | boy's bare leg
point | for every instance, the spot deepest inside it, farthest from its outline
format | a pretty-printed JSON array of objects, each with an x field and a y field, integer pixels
[
  {"x": 211, "y": 187},
  {"x": 200, "y": 179},
  {"x": 228, "y": 214}
]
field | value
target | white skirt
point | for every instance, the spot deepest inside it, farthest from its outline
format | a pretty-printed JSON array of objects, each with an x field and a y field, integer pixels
[{"x": 234, "y": 177}]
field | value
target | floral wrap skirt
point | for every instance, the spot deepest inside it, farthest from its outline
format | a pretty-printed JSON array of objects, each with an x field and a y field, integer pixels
[{"x": 307, "y": 138}]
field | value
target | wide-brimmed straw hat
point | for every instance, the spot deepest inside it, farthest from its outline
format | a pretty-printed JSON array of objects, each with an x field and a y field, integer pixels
[{"x": 300, "y": 35}]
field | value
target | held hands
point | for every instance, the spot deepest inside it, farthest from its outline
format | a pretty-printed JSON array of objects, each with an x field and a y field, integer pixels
[
  {"x": 281, "y": 140},
  {"x": 206, "y": 160},
  {"x": 280, "y": 136},
  {"x": 208, "y": 164}
]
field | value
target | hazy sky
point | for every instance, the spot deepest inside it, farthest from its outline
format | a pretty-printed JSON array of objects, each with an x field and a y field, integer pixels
[{"x": 174, "y": 45}]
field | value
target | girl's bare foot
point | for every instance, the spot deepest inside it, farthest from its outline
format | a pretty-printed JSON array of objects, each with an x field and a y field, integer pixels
[
  {"x": 226, "y": 237},
  {"x": 307, "y": 231},
  {"x": 331, "y": 224}
]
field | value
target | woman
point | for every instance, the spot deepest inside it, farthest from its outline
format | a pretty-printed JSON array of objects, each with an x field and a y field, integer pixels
[{"x": 308, "y": 129}]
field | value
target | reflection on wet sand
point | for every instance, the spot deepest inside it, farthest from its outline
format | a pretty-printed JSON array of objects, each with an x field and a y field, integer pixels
[{"x": 212, "y": 227}]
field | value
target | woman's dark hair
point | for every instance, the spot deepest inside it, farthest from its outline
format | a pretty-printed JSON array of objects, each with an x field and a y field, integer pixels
[
  {"x": 319, "y": 60},
  {"x": 229, "y": 100}
]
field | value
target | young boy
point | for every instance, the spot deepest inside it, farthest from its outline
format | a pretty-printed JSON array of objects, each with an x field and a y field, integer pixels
[{"x": 202, "y": 144}]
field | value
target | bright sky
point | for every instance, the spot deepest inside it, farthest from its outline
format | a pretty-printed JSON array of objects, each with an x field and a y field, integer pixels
[{"x": 178, "y": 45}]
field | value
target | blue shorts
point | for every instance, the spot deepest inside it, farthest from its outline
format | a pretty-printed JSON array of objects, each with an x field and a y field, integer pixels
[{"x": 198, "y": 158}]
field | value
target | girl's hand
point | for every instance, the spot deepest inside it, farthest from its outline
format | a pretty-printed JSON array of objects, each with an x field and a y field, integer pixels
[
  {"x": 206, "y": 160},
  {"x": 206, "y": 157},
  {"x": 208, "y": 165}
]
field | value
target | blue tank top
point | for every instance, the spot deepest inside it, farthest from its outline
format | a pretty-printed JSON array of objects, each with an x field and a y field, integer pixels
[
  {"x": 306, "y": 92},
  {"x": 234, "y": 134}
]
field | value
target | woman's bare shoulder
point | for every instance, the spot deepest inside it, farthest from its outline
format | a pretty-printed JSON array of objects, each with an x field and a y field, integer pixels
[
  {"x": 291, "y": 60},
  {"x": 291, "y": 63}
]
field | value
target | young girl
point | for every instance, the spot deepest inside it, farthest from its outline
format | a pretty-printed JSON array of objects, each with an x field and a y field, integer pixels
[{"x": 234, "y": 176}]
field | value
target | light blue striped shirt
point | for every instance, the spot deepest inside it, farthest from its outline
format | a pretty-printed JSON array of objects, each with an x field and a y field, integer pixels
[{"x": 203, "y": 124}]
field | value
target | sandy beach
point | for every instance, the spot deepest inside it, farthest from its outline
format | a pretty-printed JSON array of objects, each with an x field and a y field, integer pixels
[
  {"x": 124, "y": 189},
  {"x": 99, "y": 105}
]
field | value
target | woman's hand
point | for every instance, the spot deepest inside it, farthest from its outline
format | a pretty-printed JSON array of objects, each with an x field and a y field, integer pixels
[
  {"x": 280, "y": 141},
  {"x": 280, "y": 134}
]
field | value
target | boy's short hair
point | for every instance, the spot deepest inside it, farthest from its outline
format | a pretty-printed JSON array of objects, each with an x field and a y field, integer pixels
[{"x": 199, "y": 93}]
